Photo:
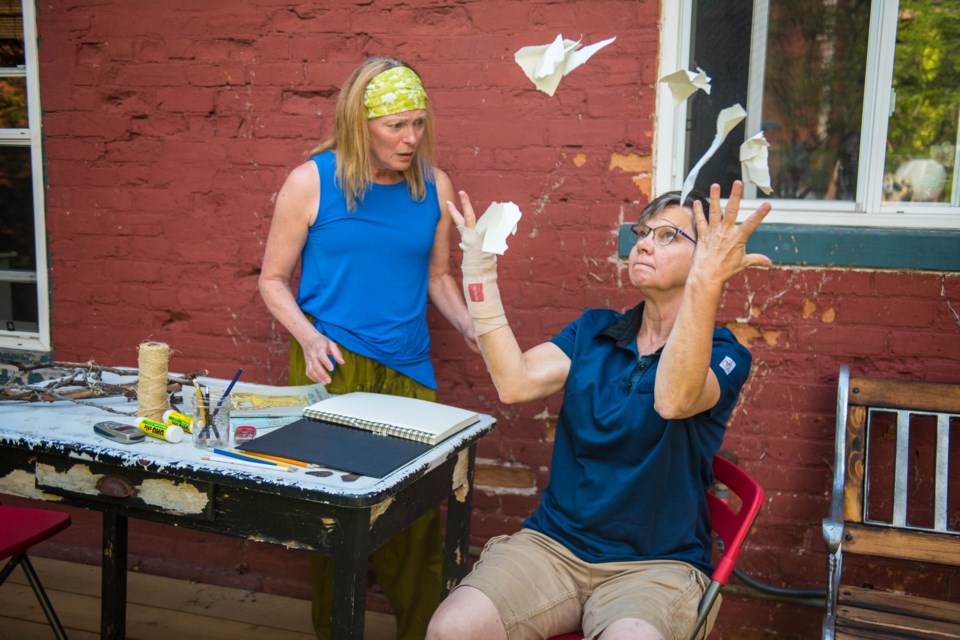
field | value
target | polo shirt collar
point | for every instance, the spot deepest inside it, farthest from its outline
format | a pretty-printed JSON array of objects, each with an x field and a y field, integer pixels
[{"x": 624, "y": 329}]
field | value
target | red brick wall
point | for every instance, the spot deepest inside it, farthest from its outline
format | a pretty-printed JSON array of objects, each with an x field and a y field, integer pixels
[{"x": 170, "y": 127}]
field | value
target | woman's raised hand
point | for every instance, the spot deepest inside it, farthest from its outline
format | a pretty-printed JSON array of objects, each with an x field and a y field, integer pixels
[
  {"x": 721, "y": 243},
  {"x": 474, "y": 257},
  {"x": 468, "y": 218}
]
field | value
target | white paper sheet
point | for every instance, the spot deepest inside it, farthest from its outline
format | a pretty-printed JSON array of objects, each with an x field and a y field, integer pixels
[
  {"x": 497, "y": 222},
  {"x": 754, "y": 154},
  {"x": 726, "y": 121},
  {"x": 684, "y": 83},
  {"x": 546, "y": 64}
]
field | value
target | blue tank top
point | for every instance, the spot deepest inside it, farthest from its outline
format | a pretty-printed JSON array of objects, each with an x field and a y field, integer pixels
[{"x": 364, "y": 273}]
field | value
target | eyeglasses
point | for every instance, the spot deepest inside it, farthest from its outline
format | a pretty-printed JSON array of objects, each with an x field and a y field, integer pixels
[{"x": 662, "y": 235}]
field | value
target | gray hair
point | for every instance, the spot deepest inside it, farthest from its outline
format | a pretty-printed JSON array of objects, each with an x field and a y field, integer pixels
[{"x": 672, "y": 199}]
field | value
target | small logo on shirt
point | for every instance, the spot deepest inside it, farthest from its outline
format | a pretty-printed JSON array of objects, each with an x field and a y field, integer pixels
[{"x": 728, "y": 365}]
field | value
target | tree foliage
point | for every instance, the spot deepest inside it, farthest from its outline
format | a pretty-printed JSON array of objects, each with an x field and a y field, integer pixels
[{"x": 925, "y": 77}]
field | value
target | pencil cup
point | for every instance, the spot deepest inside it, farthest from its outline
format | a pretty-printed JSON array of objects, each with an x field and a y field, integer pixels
[{"x": 211, "y": 423}]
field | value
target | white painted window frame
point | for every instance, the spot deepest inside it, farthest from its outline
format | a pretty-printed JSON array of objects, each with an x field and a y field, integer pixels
[
  {"x": 31, "y": 137},
  {"x": 868, "y": 210}
]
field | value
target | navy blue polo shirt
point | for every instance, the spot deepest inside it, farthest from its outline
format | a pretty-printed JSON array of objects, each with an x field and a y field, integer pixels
[{"x": 625, "y": 484}]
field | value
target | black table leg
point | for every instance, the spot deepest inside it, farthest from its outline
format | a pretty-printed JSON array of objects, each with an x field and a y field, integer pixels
[
  {"x": 457, "y": 543},
  {"x": 113, "y": 590},
  {"x": 350, "y": 576}
]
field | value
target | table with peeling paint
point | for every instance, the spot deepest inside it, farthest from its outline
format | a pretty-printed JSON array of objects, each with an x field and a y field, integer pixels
[{"x": 48, "y": 451}]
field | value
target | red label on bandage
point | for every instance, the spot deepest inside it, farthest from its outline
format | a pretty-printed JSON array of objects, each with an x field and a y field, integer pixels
[{"x": 476, "y": 292}]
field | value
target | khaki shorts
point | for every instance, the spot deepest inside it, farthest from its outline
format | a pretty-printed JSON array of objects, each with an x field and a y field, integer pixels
[{"x": 541, "y": 589}]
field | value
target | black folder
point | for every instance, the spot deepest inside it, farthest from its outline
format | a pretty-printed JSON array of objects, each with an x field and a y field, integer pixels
[{"x": 338, "y": 447}]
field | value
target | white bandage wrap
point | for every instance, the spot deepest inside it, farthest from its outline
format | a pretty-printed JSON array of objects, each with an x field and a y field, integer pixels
[{"x": 480, "y": 284}]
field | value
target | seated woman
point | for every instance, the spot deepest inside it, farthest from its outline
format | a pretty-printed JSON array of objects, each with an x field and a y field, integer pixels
[{"x": 620, "y": 544}]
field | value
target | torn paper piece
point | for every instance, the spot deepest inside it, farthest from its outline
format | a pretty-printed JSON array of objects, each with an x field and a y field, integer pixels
[
  {"x": 683, "y": 84},
  {"x": 497, "y": 222},
  {"x": 753, "y": 162},
  {"x": 726, "y": 121},
  {"x": 546, "y": 64}
]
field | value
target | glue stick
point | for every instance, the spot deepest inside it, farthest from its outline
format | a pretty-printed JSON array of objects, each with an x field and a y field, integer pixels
[
  {"x": 181, "y": 420},
  {"x": 168, "y": 432}
]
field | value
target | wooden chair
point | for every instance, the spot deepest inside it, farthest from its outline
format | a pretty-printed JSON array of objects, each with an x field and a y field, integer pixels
[
  {"x": 20, "y": 529},
  {"x": 731, "y": 527},
  {"x": 879, "y": 511}
]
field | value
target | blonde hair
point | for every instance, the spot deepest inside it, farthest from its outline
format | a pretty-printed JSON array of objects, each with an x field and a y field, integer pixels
[{"x": 351, "y": 138}]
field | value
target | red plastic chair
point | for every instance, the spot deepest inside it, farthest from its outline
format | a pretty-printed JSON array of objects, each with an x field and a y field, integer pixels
[
  {"x": 730, "y": 526},
  {"x": 20, "y": 529}
]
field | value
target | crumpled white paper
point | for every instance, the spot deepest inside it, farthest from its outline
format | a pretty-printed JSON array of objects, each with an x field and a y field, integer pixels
[
  {"x": 497, "y": 222},
  {"x": 684, "y": 83},
  {"x": 726, "y": 121},
  {"x": 754, "y": 155},
  {"x": 546, "y": 64}
]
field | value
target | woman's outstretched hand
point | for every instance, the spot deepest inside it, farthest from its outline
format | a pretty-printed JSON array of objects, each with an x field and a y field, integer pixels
[
  {"x": 474, "y": 257},
  {"x": 721, "y": 243}
]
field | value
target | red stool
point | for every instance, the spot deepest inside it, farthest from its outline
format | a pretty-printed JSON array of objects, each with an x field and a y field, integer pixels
[{"x": 20, "y": 529}]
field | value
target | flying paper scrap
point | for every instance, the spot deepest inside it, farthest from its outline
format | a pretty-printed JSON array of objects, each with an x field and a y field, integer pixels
[
  {"x": 683, "y": 84},
  {"x": 753, "y": 162},
  {"x": 726, "y": 121},
  {"x": 546, "y": 64},
  {"x": 497, "y": 222}
]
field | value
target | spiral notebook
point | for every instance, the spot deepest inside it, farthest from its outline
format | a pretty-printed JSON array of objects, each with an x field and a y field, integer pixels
[
  {"x": 419, "y": 420},
  {"x": 365, "y": 433}
]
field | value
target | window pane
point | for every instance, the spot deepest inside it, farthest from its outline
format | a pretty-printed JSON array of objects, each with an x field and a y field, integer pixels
[
  {"x": 922, "y": 132},
  {"x": 16, "y": 209},
  {"x": 18, "y": 300},
  {"x": 18, "y": 306},
  {"x": 11, "y": 34},
  {"x": 13, "y": 103},
  {"x": 812, "y": 92}
]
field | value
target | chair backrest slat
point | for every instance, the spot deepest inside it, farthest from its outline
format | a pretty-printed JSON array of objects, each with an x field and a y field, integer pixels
[{"x": 921, "y": 410}]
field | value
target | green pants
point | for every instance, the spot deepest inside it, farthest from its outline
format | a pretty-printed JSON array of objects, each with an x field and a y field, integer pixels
[{"x": 410, "y": 566}]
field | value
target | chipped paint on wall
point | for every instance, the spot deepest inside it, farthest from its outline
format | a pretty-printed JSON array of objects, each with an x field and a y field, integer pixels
[
  {"x": 630, "y": 162},
  {"x": 641, "y": 166},
  {"x": 744, "y": 332},
  {"x": 499, "y": 477}
]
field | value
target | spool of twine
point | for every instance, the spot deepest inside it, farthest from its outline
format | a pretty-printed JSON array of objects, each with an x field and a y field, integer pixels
[{"x": 152, "y": 381}]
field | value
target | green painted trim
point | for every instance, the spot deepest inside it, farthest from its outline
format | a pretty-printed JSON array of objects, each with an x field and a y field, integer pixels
[
  {"x": 8, "y": 371},
  {"x": 869, "y": 248}
]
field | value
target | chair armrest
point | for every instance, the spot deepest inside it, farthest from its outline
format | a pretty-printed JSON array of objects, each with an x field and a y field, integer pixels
[
  {"x": 832, "y": 535},
  {"x": 833, "y": 540}
]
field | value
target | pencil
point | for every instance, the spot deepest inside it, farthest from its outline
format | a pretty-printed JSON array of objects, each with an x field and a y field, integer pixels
[
  {"x": 242, "y": 463},
  {"x": 243, "y": 456},
  {"x": 226, "y": 393},
  {"x": 205, "y": 432},
  {"x": 296, "y": 463}
]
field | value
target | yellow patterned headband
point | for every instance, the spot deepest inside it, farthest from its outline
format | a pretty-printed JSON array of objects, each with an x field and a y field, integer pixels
[{"x": 394, "y": 91}]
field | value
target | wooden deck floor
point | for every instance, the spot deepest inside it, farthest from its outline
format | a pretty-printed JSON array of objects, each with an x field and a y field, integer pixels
[{"x": 158, "y": 609}]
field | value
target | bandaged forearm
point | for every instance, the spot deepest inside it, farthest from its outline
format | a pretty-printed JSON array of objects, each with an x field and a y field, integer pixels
[
  {"x": 480, "y": 283},
  {"x": 483, "y": 299}
]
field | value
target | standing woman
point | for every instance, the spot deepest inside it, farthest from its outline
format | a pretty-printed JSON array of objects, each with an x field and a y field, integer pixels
[{"x": 363, "y": 219}]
